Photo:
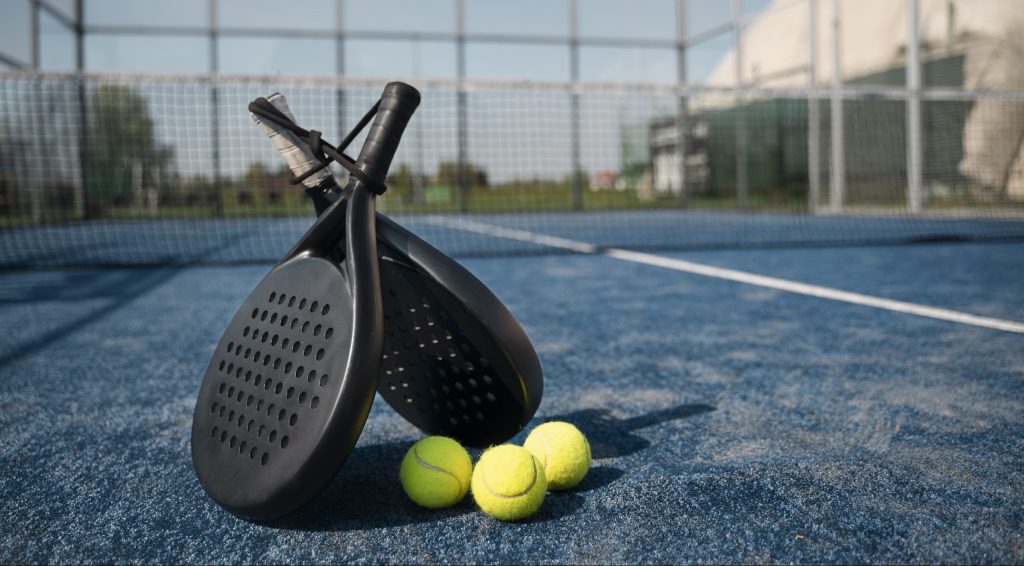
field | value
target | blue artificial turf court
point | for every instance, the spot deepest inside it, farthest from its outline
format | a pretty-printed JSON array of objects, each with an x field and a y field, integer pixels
[{"x": 854, "y": 403}]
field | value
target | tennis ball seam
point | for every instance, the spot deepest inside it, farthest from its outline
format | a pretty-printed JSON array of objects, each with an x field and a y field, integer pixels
[
  {"x": 529, "y": 488},
  {"x": 423, "y": 463}
]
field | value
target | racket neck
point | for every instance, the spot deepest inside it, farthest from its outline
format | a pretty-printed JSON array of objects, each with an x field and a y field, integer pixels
[{"x": 324, "y": 194}]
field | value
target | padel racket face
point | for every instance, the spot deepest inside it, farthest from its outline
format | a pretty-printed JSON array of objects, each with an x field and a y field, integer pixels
[
  {"x": 455, "y": 361},
  {"x": 271, "y": 422},
  {"x": 291, "y": 382}
]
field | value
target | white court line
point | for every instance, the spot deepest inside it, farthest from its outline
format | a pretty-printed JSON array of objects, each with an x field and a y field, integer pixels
[
  {"x": 513, "y": 234},
  {"x": 732, "y": 275}
]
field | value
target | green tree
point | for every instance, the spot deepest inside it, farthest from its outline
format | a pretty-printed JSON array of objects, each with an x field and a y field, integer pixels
[
  {"x": 123, "y": 152},
  {"x": 448, "y": 175},
  {"x": 257, "y": 173},
  {"x": 403, "y": 183}
]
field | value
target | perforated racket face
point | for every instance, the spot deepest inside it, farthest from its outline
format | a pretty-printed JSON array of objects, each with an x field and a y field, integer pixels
[
  {"x": 269, "y": 430},
  {"x": 441, "y": 369}
]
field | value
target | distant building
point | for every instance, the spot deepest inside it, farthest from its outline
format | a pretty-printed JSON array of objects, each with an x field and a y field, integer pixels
[
  {"x": 604, "y": 180},
  {"x": 984, "y": 36},
  {"x": 665, "y": 155}
]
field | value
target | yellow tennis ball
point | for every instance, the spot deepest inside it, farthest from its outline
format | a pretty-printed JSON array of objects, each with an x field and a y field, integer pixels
[
  {"x": 509, "y": 483},
  {"x": 563, "y": 451},
  {"x": 436, "y": 472}
]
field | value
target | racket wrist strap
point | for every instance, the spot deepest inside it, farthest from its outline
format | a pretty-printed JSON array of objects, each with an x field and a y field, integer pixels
[{"x": 322, "y": 151}]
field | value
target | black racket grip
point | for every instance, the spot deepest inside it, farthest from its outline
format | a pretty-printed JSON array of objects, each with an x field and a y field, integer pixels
[{"x": 397, "y": 105}]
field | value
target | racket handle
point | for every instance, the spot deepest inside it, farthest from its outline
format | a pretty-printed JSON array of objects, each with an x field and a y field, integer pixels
[
  {"x": 296, "y": 154},
  {"x": 397, "y": 105}
]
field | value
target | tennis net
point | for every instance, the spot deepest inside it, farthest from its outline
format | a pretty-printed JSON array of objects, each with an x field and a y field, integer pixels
[{"x": 132, "y": 169}]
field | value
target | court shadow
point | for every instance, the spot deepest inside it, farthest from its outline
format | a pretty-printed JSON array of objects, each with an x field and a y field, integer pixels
[
  {"x": 119, "y": 288},
  {"x": 611, "y": 437},
  {"x": 558, "y": 504},
  {"x": 598, "y": 477},
  {"x": 368, "y": 495},
  {"x": 77, "y": 285}
]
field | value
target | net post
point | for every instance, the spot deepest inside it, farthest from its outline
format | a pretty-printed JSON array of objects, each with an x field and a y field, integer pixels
[
  {"x": 813, "y": 112},
  {"x": 683, "y": 197},
  {"x": 915, "y": 195},
  {"x": 460, "y": 54},
  {"x": 742, "y": 190},
  {"x": 81, "y": 194},
  {"x": 837, "y": 169},
  {"x": 218, "y": 206},
  {"x": 574, "y": 101}
]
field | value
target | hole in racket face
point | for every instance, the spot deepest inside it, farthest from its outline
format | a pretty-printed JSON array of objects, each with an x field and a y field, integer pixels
[
  {"x": 440, "y": 368},
  {"x": 267, "y": 389}
]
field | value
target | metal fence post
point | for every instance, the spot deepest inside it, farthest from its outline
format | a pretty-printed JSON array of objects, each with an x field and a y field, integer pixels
[
  {"x": 460, "y": 55},
  {"x": 218, "y": 206},
  {"x": 339, "y": 63},
  {"x": 813, "y": 112},
  {"x": 419, "y": 171},
  {"x": 82, "y": 194},
  {"x": 574, "y": 101},
  {"x": 837, "y": 172},
  {"x": 915, "y": 196},
  {"x": 36, "y": 189},
  {"x": 683, "y": 103},
  {"x": 742, "y": 191},
  {"x": 34, "y": 34}
]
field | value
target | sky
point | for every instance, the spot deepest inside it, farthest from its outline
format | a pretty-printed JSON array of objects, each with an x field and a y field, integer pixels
[
  {"x": 143, "y": 50},
  {"x": 515, "y": 136}
]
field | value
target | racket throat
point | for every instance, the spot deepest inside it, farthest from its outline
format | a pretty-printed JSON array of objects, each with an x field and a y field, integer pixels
[{"x": 323, "y": 196}]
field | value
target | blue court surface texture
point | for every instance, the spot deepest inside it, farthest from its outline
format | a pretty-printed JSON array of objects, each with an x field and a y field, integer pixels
[{"x": 730, "y": 421}]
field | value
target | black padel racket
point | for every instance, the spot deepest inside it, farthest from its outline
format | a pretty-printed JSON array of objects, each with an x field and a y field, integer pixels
[
  {"x": 455, "y": 361},
  {"x": 291, "y": 382}
]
